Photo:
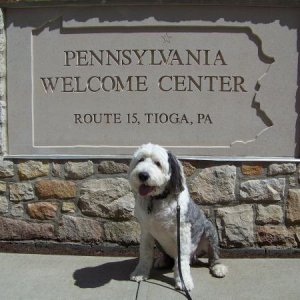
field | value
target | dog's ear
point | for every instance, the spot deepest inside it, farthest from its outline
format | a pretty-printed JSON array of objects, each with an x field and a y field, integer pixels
[{"x": 176, "y": 180}]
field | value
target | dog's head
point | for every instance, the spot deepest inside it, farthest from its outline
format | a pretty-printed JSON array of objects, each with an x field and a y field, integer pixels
[{"x": 153, "y": 170}]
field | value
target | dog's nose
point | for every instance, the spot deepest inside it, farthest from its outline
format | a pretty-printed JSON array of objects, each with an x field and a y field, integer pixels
[{"x": 143, "y": 176}]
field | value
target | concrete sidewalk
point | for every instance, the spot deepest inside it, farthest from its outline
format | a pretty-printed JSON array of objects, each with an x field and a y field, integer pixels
[{"x": 43, "y": 277}]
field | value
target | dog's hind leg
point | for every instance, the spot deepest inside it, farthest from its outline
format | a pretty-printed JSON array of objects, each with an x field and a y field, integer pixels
[{"x": 217, "y": 269}]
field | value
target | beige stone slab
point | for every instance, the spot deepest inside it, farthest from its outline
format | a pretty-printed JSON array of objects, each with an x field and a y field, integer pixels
[{"x": 201, "y": 81}]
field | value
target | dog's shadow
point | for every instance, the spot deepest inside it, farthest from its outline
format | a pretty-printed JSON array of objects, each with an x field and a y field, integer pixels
[{"x": 94, "y": 277}]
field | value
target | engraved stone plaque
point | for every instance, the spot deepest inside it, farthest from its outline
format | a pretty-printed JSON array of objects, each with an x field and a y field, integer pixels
[{"x": 104, "y": 81}]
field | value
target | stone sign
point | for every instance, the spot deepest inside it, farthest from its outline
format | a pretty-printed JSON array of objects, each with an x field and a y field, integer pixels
[{"x": 103, "y": 81}]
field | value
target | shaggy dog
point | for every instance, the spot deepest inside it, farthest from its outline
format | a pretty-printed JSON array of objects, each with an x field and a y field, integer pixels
[{"x": 157, "y": 179}]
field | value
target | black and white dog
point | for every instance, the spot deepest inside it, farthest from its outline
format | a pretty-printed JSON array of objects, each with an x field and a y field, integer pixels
[{"x": 157, "y": 179}]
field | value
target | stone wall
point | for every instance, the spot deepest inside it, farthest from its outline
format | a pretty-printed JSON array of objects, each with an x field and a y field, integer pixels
[
  {"x": 254, "y": 206},
  {"x": 87, "y": 206}
]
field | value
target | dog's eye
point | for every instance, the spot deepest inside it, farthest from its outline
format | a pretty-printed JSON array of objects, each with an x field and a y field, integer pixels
[
  {"x": 141, "y": 159},
  {"x": 158, "y": 164}
]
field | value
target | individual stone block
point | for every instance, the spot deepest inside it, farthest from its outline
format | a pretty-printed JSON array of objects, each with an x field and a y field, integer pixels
[
  {"x": 3, "y": 204},
  {"x": 263, "y": 190},
  {"x": 15, "y": 229},
  {"x": 42, "y": 210},
  {"x": 21, "y": 191},
  {"x": 32, "y": 169},
  {"x": 2, "y": 187},
  {"x": 2, "y": 65},
  {"x": 79, "y": 229},
  {"x": 213, "y": 185},
  {"x": 108, "y": 198},
  {"x": 126, "y": 233},
  {"x": 292, "y": 181},
  {"x": 1, "y": 20},
  {"x": 275, "y": 236},
  {"x": 252, "y": 170},
  {"x": 2, "y": 96},
  {"x": 293, "y": 206},
  {"x": 56, "y": 170},
  {"x": 60, "y": 189},
  {"x": 297, "y": 234},
  {"x": 235, "y": 226},
  {"x": 68, "y": 207},
  {"x": 3, "y": 106},
  {"x": 6, "y": 169},
  {"x": 17, "y": 210},
  {"x": 281, "y": 169},
  {"x": 2, "y": 42},
  {"x": 188, "y": 168},
  {"x": 271, "y": 214},
  {"x": 79, "y": 170},
  {"x": 112, "y": 167}
]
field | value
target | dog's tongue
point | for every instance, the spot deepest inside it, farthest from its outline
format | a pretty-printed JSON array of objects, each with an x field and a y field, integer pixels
[{"x": 144, "y": 190}]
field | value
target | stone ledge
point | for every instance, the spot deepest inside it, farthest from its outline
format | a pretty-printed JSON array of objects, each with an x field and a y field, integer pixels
[
  {"x": 67, "y": 248},
  {"x": 259, "y": 3},
  {"x": 107, "y": 249}
]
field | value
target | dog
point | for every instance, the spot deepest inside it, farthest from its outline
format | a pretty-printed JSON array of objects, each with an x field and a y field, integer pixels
[{"x": 158, "y": 182}]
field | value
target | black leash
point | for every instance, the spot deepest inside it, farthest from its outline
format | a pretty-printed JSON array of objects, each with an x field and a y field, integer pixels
[{"x": 188, "y": 296}]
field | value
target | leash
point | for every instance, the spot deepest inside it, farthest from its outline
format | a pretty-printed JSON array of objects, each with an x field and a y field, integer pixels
[{"x": 188, "y": 296}]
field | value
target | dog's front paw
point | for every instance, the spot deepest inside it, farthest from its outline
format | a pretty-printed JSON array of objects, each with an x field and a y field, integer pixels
[
  {"x": 188, "y": 284},
  {"x": 219, "y": 270},
  {"x": 139, "y": 275}
]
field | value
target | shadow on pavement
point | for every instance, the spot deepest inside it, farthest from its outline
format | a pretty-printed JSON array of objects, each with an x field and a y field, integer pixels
[{"x": 93, "y": 277}]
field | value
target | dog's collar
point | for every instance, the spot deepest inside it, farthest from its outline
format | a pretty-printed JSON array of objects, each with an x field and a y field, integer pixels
[{"x": 161, "y": 196}]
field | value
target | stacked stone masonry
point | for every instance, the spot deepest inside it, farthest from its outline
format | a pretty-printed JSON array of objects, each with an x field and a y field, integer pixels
[{"x": 90, "y": 202}]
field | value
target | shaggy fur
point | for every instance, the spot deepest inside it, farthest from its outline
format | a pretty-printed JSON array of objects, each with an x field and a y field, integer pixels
[{"x": 157, "y": 179}]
